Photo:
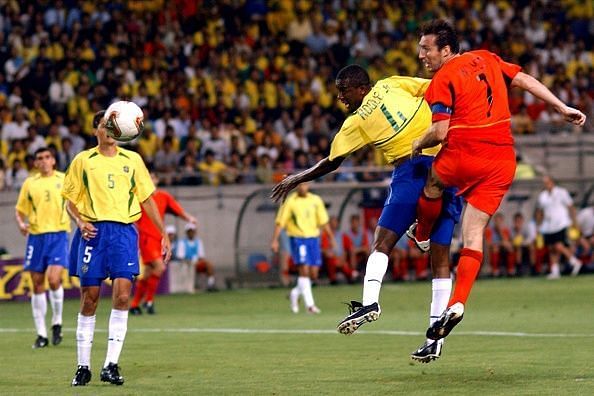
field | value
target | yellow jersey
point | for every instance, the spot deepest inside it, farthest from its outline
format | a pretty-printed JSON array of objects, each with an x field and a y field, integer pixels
[
  {"x": 108, "y": 188},
  {"x": 391, "y": 116},
  {"x": 302, "y": 217},
  {"x": 41, "y": 201}
]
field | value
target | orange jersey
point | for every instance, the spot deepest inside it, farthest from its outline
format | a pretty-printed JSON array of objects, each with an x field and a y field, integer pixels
[
  {"x": 471, "y": 91},
  {"x": 165, "y": 204}
]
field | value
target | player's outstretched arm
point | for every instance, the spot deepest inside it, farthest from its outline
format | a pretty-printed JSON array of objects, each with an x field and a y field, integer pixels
[
  {"x": 325, "y": 166},
  {"x": 538, "y": 89}
]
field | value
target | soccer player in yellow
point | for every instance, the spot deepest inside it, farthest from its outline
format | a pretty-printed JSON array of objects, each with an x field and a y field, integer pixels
[
  {"x": 389, "y": 115},
  {"x": 105, "y": 187},
  {"x": 302, "y": 215},
  {"x": 41, "y": 203}
]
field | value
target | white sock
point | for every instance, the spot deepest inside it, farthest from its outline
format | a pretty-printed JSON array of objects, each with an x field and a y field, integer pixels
[
  {"x": 85, "y": 329},
  {"x": 39, "y": 307},
  {"x": 304, "y": 285},
  {"x": 56, "y": 298},
  {"x": 441, "y": 289},
  {"x": 377, "y": 265},
  {"x": 210, "y": 281},
  {"x": 555, "y": 269},
  {"x": 118, "y": 325}
]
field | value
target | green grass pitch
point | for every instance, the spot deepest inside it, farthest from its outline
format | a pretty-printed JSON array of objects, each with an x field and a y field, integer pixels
[{"x": 518, "y": 337}]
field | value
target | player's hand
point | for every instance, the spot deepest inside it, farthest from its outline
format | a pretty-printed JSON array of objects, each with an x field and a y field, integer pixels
[
  {"x": 280, "y": 191},
  {"x": 87, "y": 230},
  {"x": 573, "y": 116},
  {"x": 192, "y": 219},
  {"x": 24, "y": 229},
  {"x": 166, "y": 248},
  {"x": 416, "y": 150},
  {"x": 274, "y": 246}
]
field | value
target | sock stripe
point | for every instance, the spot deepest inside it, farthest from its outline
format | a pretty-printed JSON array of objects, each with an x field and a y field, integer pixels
[{"x": 374, "y": 280}]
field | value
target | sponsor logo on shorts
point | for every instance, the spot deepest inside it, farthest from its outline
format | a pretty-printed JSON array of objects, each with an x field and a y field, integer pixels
[{"x": 84, "y": 269}]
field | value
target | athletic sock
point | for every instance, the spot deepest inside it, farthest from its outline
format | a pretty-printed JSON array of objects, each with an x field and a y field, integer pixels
[
  {"x": 428, "y": 210},
  {"x": 152, "y": 283},
  {"x": 304, "y": 284},
  {"x": 39, "y": 308},
  {"x": 377, "y": 265},
  {"x": 468, "y": 269},
  {"x": 56, "y": 298},
  {"x": 85, "y": 329},
  {"x": 441, "y": 288},
  {"x": 118, "y": 325},
  {"x": 210, "y": 281},
  {"x": 139, "y": 293}
]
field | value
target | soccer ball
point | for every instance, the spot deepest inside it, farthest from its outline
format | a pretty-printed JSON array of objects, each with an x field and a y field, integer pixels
[{"x": 124, "y": 121}]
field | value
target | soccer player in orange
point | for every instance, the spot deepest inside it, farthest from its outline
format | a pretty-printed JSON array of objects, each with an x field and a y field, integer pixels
[
  {"x": 149, "y": 241},
  {"x": 468, "y": 96}
]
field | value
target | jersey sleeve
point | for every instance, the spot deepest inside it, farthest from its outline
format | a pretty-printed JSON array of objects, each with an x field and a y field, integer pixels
[
  {"x": 322, "y": 213},
  {"x": 23, "y": 204},
  {"x": 73, "y": 183},
  {"x": 567, "y": 201},
  {"x": 283, "y": 214},
  {"x": 144, "y": 186},
  {"x": 173, "y": 206},
  {"x": 347, "y": 140},
  {"x": 509, "y": 70},
  {"x": 413, "y": 85},
  {"x": 440, "y": 96}
]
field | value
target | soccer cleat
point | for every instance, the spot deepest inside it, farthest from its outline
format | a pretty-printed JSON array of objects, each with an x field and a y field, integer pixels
[
  {"x": 446, "y": 322},
  {"x": 82, "y": 376},
  {"x": 359, "y": 315},
  {"x": 423, "y": 246},
  {"x": 56, "y": 334},
  {"x": 135, "y": 311},
  {"x": 150, "y": 308},
  {"x": 40, "y": 342},
  {"x": 111, "y": 374},
  {"x": 313, "y": 310},
  {"x": 428, "y": 352}
]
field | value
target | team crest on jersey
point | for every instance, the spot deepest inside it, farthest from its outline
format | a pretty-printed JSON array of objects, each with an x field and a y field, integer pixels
[
  {"x": 84, "y": 268},
  {"x": 126, "y": 169},
  {"x": 59, "y": 186}
]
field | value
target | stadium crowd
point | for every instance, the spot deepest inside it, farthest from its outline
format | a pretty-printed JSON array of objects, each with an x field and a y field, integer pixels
[{"x": 243, "y": 91}]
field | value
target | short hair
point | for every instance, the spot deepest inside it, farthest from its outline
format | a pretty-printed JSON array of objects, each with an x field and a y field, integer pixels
[
  {"x": 97, "y": 118},
  {"x": 354, "y": 76},
  {"x": 42, "y": 150},
  {"x": 444, "y": 32}
]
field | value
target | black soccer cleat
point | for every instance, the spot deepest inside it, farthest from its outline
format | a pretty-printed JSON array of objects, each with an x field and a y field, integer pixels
[
  {"x": 40, "y": 342},
  {"x": 446, "y": 322},
  {"x": 82, "y": 376},
  {"x": 56, "y": 334},
  {"x": 359, "y": 315},
  {"x": 150, "y": 308},
  {"x": 428, "y": 352},
  {"x": 111, "y": 374},
  {"x": 135, "y": 311}
]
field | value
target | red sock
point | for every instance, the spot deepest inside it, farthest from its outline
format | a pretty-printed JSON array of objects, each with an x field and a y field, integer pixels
[
  {"x": 495, "y": 259},
  {"x": 138, "y": 292},
  {"x": 428, "y": 210},
  {"x": 511, "y": 263},
  {"x": 151, "y": 287},
  {"x": 331, "y": 268},
  {"x": 468, "y": 268}
]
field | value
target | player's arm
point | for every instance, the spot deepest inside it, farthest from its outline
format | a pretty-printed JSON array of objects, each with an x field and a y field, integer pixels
[
  {"x": 175, "y": 207},
  {"x": 538, "y": 89},
  {"x": 274, "y": 246},
  {"x": 87, "y": 230},
  {"x": 330, "y": 233},
  {"x": 152, "y": 212},
  {"x": 21, "y": 222},
  {"x": 325, "y": 166},
  {"x": 435, "y": 135}
]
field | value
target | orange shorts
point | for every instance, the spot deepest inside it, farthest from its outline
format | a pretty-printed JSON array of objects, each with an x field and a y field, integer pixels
[
  {"x": 150, "y": 248},
  {"x": 482, "y": 180}
]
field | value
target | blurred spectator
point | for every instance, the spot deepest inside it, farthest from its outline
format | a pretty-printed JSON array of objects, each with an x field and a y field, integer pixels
[
  {"x": 165, "y": 162},
  {"x": 500, "y": 247},
  {"x": 523, "y": 235},
  {"x": 521, "y": 122},
  {"x": 16, "y": 175},
  {"x": 211, "y": 169}
]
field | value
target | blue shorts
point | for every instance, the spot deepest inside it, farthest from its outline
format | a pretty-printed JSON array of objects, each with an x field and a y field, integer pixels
[
  {"x": 73, "y": 255},
  {"x": 112, "y": 253},
  {"x": 50, "y": 248},
  {"x": 400, "y": 208},
  {"x": 306, "y": 251}
]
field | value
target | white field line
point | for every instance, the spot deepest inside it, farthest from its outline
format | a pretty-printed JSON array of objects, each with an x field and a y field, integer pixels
[{"x": 333, "y": 332}]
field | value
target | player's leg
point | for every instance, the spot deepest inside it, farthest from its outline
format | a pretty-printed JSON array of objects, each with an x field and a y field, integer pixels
[
  {"x": 428, "y": 209},
  {"x": 314, "y": 271},
  {"x": 152, "y": 279},
  {"x": 562, "y": 248},
  {"x": 56, "y": 297},
  {"x": 39, "y": 308},
  {"x": 85, "y": 329}
]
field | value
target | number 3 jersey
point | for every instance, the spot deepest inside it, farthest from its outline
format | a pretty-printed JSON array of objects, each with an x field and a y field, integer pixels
[
  {"x": 471, "y": 91},
  {"x": 40, "y": 200},
  {"x": 391, "y": 116},
  {"x": 108, "y": 188}
]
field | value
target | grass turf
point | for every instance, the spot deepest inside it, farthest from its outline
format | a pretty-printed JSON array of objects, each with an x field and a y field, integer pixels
[{"x": 545, "y": 345}]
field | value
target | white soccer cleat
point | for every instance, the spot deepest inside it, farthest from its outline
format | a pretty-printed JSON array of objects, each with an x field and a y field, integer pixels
[
  {"x": 314, "y": 310},
  {"x": 423, "y": 246},
  {"x": 576, "y": 265}
]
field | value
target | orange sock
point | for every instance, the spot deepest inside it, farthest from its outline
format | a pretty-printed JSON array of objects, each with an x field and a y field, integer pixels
[
  {"x": 151, "y": 287},
  {"x": 428, "y": 210},
  {"x": 468, "y": 268},
  {"x": 138, "y": 293}
]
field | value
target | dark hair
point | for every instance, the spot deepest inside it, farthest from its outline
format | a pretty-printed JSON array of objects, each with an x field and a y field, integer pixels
[
  {"x": 353, "y": 76},
  {"x": 444, "y": 32},
  {"x": 97, "y": 118},
  {"x": 42, "y": 150}
]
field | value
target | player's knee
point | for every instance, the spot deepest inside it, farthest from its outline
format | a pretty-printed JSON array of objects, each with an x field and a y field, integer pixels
[
  {"x": 89, "y": 305},
  {"x": 121, "y": 300},
  {"x": 54, "y": 282}
]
